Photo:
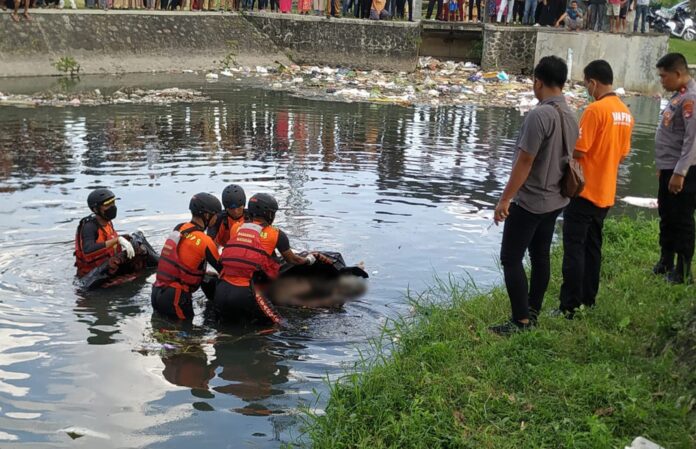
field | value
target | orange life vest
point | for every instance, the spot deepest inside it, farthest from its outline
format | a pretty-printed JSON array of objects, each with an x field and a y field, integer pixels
[
  {"x": 171, "y": 272},
  {"x": 250, "y": 249},
  {"x": 87, "y": 262},
  {"x": 227, "y": 225}
]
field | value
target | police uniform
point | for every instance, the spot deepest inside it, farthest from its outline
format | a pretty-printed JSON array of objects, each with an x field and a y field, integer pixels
[{"x": 675, "y": 153}]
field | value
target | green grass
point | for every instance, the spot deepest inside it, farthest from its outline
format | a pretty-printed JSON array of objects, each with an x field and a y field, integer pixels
[
  {"x": 688, "y": 49},
  {"x": 441, "y": 380}
]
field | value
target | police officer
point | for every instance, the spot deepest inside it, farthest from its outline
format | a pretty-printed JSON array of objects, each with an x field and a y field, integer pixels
[{"x": 675, "y": 156}]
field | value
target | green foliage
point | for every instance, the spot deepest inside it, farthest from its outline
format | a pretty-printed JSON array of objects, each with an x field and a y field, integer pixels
[
  {"x": 441, "y": 380},
  {"x": 67, "y": 65}
]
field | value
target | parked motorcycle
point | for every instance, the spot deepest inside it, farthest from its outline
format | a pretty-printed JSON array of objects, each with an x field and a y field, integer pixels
[{"x": 682, "y": 25}]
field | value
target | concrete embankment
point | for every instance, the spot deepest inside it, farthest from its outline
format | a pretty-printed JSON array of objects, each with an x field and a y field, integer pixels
[
  {"x": 144, "y": 41},
  {"x": 138, "y": 41},
  {"x": 115, "y": 42}
]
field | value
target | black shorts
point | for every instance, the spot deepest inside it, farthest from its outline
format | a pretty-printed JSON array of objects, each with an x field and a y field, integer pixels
[
  {"x": 623, "y": 11},
  {"x": 234, "y": 303},
  {"x": 172, "y": 302}
]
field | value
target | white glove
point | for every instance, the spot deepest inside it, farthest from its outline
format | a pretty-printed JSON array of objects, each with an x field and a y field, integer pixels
[
  {"x": 310, "y": 259},
  {"x": 127, "y": 247}
]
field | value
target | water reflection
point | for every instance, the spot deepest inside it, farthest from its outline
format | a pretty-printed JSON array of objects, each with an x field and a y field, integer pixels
[{"x": 373, "y": 182}]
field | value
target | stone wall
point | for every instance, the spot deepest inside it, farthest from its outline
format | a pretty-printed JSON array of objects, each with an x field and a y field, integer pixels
[
  {"x": 115, "y": 42},
  {"x": 381, "y": 45},
  {"x": 633, "y": 57},
  {"x": 510, "y": 49}
]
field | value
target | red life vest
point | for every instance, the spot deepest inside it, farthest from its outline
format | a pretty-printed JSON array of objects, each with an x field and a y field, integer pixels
[
  {"x": 87, "y": 262},
  {"x": 226, "y": 225},
  {"x": 244, "y": 253},
  {"x": 170, "y": 271}
]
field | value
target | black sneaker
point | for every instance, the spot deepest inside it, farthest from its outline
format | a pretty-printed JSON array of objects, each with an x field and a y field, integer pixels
[
  {"x": 510, "y": 327},
  {"x": 681, "y": 274},
  {"x": 665, "y": 264}
]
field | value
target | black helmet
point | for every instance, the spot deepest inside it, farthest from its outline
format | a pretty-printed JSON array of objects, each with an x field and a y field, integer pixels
[
  {"x": 98, "y": 197},
  {"x": 233, "y": 197},
  {"x": 264, "y": 206},
  {"x": 202, "y": 203}
]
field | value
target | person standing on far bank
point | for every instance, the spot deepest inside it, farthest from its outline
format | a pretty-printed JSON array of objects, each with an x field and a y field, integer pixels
[
  {"x": 675, "y": 157},
  {"x": 605, "y": 140},
  {"x": 532, "y": 198}
]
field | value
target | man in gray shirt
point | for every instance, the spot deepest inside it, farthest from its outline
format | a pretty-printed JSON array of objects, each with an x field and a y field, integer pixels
[
  {"x": 675, "y": 157},
  {"x": 532, "y": 198}
]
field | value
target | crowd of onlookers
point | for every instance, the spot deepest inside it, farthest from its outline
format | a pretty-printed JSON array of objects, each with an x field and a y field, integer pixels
[
  {"x": 597, "y": 15},
  {"x": 365, "y": 9}
]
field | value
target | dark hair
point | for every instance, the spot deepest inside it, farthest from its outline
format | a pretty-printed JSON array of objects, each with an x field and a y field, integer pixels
[
  {"x": 599, "y": 70},
  {"x": 672, "y": 62},
  {"x": 552, "y": 71}
]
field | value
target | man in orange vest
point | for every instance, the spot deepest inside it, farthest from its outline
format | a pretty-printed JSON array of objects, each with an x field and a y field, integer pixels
[
  {"x": 96, "y": 240},
  {"x": 248, "y": 258},
  {"x": 184, "y": 258},
  {"x": 605, "y": 140}
]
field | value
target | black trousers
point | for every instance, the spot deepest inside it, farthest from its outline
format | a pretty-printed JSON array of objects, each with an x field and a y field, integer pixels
[
  {"x": 478, "y": 10},
  {"x": 400, "y": 4},
  {"x": 235, "y": 303},
  {"x": 582, "y": 253},
  {"x": 677, "y": 215},
  {"x": 366, "y": 6},
  {"x": 524, "y": 231},
  {"x": 172, "y": 302},
  {"x": 431, "y": 4},
  {"x": 517, "y": 11}
]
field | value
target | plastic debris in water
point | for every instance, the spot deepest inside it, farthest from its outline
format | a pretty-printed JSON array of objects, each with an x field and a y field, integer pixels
[
  {"x": 79, "y": 432},
  {"x": 502, "y": 76},
  {"x": 650, "y": 203},
  {"x": 643, "y": 443},
  {"x": 620, "y": 91},
  {"x": 211, "y": 76}
]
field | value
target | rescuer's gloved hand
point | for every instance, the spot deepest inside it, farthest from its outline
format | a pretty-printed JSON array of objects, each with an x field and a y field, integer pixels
[{"x": 127, "y": 247}]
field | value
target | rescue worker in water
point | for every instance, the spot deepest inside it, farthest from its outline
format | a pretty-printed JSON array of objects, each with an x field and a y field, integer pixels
[
  {"x": 247, "y": 261},
  {"x": 183, "y": 260},
  {"x": 233, "y": 200},
  {"x": 96, "y": 240}
]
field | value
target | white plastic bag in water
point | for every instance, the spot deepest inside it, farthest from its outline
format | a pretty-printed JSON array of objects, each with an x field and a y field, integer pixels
[{"x": 642, "y": 443}]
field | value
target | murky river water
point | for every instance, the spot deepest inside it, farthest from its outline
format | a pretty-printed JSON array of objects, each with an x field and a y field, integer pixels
[{"x": 406, "y": 190}]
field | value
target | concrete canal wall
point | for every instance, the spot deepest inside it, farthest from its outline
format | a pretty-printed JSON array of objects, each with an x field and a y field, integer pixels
[
  {"x": 143, "y": 41},
  {"x": 633, "y": 57},
  {"x": 115, "y": 42},
  {"x": 363, "y": 44}
]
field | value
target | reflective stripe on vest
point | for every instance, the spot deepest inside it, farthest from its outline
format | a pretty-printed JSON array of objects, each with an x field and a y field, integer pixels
[{"x": 245, "y": 254}]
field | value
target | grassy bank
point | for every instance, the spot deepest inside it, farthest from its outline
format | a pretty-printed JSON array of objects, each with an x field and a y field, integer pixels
[
  {"x": 688, "y": 49},
  {"x": 623, "y": 369}
]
